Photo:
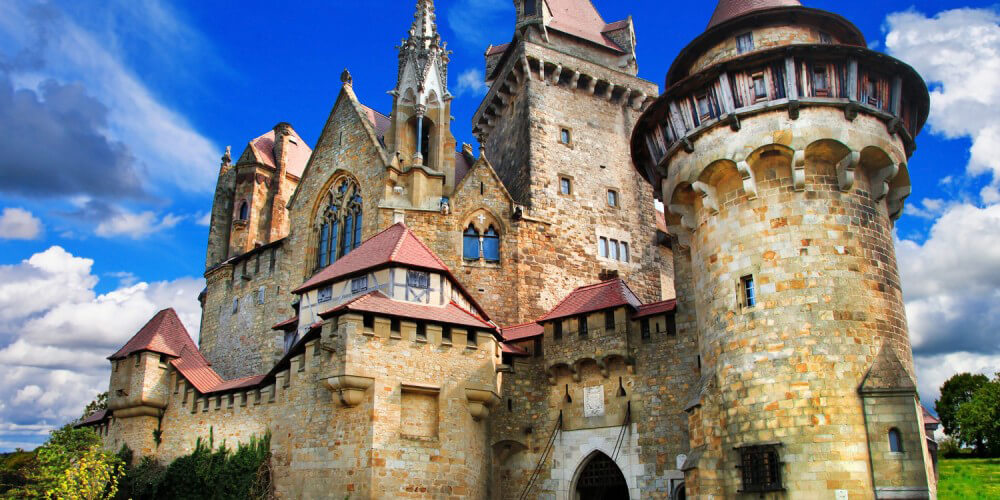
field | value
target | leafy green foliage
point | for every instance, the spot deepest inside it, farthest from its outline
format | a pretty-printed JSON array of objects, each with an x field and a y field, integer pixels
[
  {"x": 143, "y": 481},
  {"x": 955, "y": 391},
  {"x": 16, "y": 471},
  {"x": 979, "y": 418}
]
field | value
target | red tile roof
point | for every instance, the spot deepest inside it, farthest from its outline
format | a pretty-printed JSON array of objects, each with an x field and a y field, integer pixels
[
  {"x": 294, "y": 320},
  {"x": 513, "y": 349},
  {"x": 928, "y": 418},
  {"x": 196, "y": 369},
  {"x": 378, "y": 303},
  {"x": 93, "y": 418},
  {"x": 164, "y": 334},
  {"x": 655, "y": 308},
  {"x": 395, "y": 245},
  {"x": 239, "y": 383},
  {"x": 731, "y": 9},
  {"x": 589, "y": 298},
  {"x": 379, "y": 121},
  {"x": 299, "y": 152},
  {"x": 580, "y": 19},
  {"x": 523, "y": 331}
]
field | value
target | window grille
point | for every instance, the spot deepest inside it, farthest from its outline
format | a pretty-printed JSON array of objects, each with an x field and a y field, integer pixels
[
  {"x": 359, "y": 285},
  {"x": 418, "y": 279},
  {"x": 760, "y": 468}
]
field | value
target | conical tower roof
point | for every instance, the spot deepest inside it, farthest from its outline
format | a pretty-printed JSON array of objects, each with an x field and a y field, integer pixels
[{"x": 731, "y": 9}]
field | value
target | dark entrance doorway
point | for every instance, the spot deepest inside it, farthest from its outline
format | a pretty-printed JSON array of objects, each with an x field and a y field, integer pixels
[{"x": 601, "y": 479}]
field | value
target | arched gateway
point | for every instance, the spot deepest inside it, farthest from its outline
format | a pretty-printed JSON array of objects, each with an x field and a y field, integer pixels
[{"x": 600, "y": 479}]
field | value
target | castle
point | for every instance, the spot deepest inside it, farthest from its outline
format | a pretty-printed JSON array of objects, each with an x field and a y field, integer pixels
[{"x": 411, "y": 319}]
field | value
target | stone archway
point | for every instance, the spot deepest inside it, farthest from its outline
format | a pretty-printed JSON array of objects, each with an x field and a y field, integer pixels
[{"x": 599, "y": 478}]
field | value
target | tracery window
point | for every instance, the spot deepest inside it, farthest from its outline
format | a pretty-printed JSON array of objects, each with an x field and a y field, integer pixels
[
  {"x": 470, "y": 243},
  {"x": 491, "y": 245},
  {"x": 339, "y": 223},
  {"x": 481, "y": 240}
]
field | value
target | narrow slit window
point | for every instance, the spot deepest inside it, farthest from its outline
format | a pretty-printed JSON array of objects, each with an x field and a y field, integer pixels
[
  {"x": 623, "y": 254},
  {"x": 236, "y": 305},
  {"x": 645, "y": 328},
  {"x": 748, "y": 291},
  {"x": 564, "y": 136},
  {"x": 895, "y": 441},
  {"x": 614, "y": 250},
  {"x": 602, "y": 247},
  {"x": 537, "y": 348},
  {"x": 609, "y": 321},
  {"x": 582, "y": 326},
  {"x": 244, "y": 211}
]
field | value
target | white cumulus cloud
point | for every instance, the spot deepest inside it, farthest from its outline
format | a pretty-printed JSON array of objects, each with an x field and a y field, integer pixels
[
  {"x": 135, "y": 225},
  {"x": 19, "y": 224},
  {"x": 470, "y": 82},
  {"x": 56, "y": 332}
]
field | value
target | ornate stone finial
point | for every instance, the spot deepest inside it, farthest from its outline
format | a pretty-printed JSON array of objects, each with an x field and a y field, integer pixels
[
  {"x": 227, "y": 157},
  {"x": 346, "y": 78}
]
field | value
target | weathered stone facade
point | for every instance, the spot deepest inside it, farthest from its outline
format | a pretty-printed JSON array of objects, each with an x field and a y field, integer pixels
[{"x": 455, "y": 371}]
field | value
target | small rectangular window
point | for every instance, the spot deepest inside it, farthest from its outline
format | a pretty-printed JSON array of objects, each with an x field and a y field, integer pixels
[
  {"x": 368, "y": 321},
  {"x": 359, "y": 285},
  {"x": 821, "y": 85},
  {"x": 260, "y": 294},
  {"x": 582, "y": 326},
  {"x": 564, "y": 136},
  {"x": 537, "y": 350},
  {"x": 422, "y": 331},
  {"x": 614, "y": 250},
  {"x": 825, "y": 37},
  {"x": 565, "y": 186},
  {"x": 760, "y": 469},
  {"x": 256, "y": 264},
  {"x": 325, "y": 294},
  {"x": 609, "y": 321},
  {"x": 759, "y": 87},
  {"x": 470, "y": 338},
  {"x": 623, "y": 255},
  {"x": 446, "y": 333},
  {"x": 645, "y": 328},
  {"x": 557, "y": 329},
  {"x": 744, "y": 43},
  {"x": 602, "y": 247},
  {"x": 418, "y": 279},
  {"x": 394, "y": 325},
  {"x": 749, "y": 293},
  {"x": 612, "y": 198}
]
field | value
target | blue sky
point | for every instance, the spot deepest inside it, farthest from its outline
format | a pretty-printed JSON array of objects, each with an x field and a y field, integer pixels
[{"x": 115, "y": 115}]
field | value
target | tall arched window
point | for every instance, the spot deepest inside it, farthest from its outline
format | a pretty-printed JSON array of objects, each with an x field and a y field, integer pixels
[
  {"x": 339, "y": 223},
  {"x": 244, "y": 210},
  {"x": 470, "y": 243},
  {"x": 491, "y": 245},
  {"x": 895, "y": 441}
]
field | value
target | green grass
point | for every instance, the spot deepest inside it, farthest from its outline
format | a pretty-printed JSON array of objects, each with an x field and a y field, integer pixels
[{"x": 968, "y": 478}]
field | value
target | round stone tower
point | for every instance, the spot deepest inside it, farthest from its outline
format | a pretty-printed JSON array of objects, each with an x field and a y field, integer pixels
[{"x": 779, "y": 149}]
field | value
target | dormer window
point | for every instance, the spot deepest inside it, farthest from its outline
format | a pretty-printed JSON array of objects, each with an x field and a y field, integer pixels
[
  {"x": 359, "y": 285},
  {"x": 530, "y": 7},
  {"x": 744, "y": 43},
  {"x": 418, "y": 279}
]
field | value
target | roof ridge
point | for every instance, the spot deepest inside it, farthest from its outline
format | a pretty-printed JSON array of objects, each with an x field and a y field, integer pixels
[
  {"x": 470, "y": 313},
  {"x": 526, "y": 323},
  {"x": 423, "y": 245},
  {"x": 399, "y": 242}
]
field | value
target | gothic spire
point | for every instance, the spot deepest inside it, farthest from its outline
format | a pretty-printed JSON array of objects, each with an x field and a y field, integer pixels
[
  {"x": 423, "y": 46},
  {"x": 423, "y": 33}
]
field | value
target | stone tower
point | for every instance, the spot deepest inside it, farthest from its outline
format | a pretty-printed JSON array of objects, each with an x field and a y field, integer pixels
[
  {"x": 780, "y": 149},
  {"x": 555, "y": 123}
]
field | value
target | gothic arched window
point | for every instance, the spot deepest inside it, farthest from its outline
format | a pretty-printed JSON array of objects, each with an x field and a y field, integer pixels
[
  {"x": 470, "y": 243},
  {"x": 244, "y": 211},
  {"x": 339, "y": 223},
  {"x": 895, "y": 441},
  {"x": 491, "y": 245}
]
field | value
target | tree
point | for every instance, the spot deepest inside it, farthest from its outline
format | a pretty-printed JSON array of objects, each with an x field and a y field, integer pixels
[
  {"x": 93, "y": 475},
  {"x": 99, "y": 403},
  {"x": 979, "y": 418},
  {"x": 64, "y": 448},
  {"x": 955, "y": 391}
]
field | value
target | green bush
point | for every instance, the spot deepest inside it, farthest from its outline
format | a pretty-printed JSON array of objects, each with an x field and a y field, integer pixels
[{"x": 143, "y": 481}]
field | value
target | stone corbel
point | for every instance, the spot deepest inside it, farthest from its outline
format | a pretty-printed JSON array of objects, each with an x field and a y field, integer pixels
[
  {"x": 525, "y": 68},
  {"x": 592, "y": 85},
  {"x": 557, "y": 74},
  {"x": 610, "y": 92},
  {"x": 881, "y": 180},
  {"x": 708, "y": 196},
  {"x": 749, "y": 180},
  {"x": 799, "y": 170},
  {"x": 480, "y": 402},
  {"x": 541, "y": 70},
  {"x": 845, "y": 170},
  {"x": 574, "y": 80},
  {"x": 351, "y": 388},
  {"x": 895, "y": 200},
  {"x": 686, "y": 213}
]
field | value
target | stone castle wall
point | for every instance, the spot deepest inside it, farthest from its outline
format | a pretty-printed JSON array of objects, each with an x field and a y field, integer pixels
[{"x": 828, "y": 295}]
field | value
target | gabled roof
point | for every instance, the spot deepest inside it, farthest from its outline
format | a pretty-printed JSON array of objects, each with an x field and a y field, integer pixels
[
  {"x": 94, "y": 418},
  {"x": 379, "y": 121},
  {"x": 580, "y": 19},
  {"x": 378, "y": 303},
  {"x": 589, "y": 298},
  {"x": 164, "y": 334},
  {"x": 521, "y": 332},
  {"x": 395, "y": 245},
  {"x": 731, "y": 9},
  {"x": 655, "y": 308},
  {"x": 298, "y": 155}
]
